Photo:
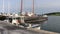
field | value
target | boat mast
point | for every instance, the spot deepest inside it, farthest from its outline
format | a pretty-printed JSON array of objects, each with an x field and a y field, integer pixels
[
  {"x": 33, "y": 7},
  {"x": 8, "y": 6},
  {"x": 3, "y": 6},
  {"x": 21, "y": 7}
]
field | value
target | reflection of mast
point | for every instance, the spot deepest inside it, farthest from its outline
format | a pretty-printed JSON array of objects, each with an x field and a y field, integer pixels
[
  {"x": 33, "y": 7},
  {"x": 3, "y": 5},
  {"x": 21, "y": 6}
]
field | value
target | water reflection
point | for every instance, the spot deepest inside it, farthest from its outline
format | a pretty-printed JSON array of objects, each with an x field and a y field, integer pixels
[{"x": 52, "y": 24}]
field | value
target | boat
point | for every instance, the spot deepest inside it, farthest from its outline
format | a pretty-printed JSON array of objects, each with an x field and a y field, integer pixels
[
  {"x": 32, "y": 17},
  {"x": 29, "y": 18}
]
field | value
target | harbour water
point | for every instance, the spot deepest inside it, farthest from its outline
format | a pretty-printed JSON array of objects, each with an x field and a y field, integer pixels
[{"x": 52, "y": 24}]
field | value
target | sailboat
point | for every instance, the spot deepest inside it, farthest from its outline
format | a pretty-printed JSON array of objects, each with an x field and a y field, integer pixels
[
  {"x": 32, "y": 17},
  {"x": 1, "y": 16}
]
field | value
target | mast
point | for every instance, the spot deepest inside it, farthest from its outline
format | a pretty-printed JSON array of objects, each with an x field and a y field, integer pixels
[
  {"x": 21, "y": 6},
  {"x": 8, "y": 6},
  {"x": 33, "y": 7},
  {"x": 3, "y": 6}
]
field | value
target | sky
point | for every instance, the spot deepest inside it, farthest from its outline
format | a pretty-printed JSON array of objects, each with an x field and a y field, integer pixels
[{"x": 41, "y": 6}]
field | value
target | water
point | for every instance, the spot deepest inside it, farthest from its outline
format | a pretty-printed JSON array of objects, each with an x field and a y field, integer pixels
[{"x": 53, "y": 24}]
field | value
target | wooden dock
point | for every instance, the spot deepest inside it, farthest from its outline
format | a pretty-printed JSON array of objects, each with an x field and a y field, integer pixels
[
  {"x": 12, "y": 29},
  {"x": 42, "y": 31}
]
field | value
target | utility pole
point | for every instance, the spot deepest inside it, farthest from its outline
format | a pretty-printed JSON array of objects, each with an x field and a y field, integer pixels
[{"x": 21, "y": 7}]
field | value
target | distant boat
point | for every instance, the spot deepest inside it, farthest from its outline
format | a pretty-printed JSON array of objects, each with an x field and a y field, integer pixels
[{"x": 45, "y": 16}]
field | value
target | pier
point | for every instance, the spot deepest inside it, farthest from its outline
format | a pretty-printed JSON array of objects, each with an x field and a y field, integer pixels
[
  {"x": 7, "y": 28},
  {"x": 42, "y": 31}
]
